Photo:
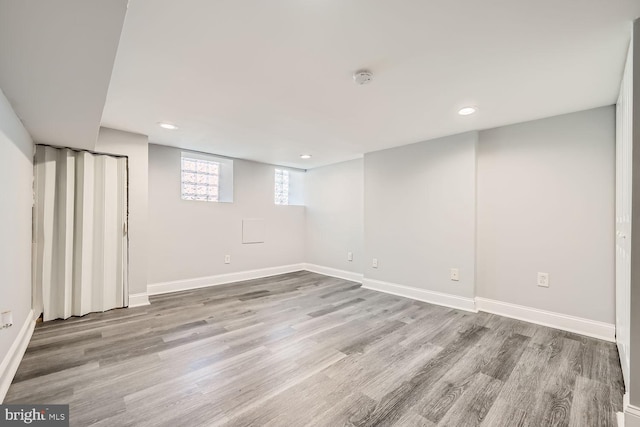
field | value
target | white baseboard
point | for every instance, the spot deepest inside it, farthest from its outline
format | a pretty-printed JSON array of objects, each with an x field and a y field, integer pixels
[
  {"x": 221, "y": 279},
  {"x": 334, "y": 272},
  {"x": 138, "y": 300},
  {"x": 631, "y": 416},
  {"x": 578, "y": 325},
  {"x": 11, "y": 362},
  {"x": 591, "y": 328},
  {"x": 439, "y": 298}
]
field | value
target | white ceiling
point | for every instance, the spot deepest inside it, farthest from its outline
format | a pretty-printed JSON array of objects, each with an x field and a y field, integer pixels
[
  {"x": 270, "y": 80},
  {"x": 56, "y": 59}
]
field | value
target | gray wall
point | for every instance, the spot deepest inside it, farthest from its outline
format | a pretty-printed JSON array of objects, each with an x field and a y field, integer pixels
[
  {"x": 334, "y": 202},
  {"x": 546, "y": 193},
  {"x": 189, "y": 239},
  {"x": 16, "y": 177},
  {"x": 135, "y": 147},
  {"x": 419, "y": 214}
]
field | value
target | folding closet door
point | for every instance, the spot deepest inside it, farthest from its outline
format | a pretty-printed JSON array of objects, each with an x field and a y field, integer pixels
[
  {"x": 80, "y": 261},
  {"x": 624, "y": 177}
]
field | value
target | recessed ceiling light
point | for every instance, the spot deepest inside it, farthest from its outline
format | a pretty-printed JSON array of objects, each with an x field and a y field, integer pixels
[
  {"x": 465, "y": 111},
  {"x": 305, "y": 156},
  {"x": 167, "y": 126}
]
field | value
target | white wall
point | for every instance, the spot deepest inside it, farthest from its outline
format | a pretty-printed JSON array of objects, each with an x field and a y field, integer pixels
[
  {"x": 189, "y": 239},
  {"x": 546, "y": 204},
  {"x": 56, "y": 62},
  {"x": 419, "y": 214},
  {"x": 135, "y": 147},
  {"x": 334, "y": 199},
  {"x": 16, "y": 177}
]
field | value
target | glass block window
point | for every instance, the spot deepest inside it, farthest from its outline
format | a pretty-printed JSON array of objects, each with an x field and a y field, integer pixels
[
  {"x": 200, "y": 179},
  {"x": 282, "y": 187}
]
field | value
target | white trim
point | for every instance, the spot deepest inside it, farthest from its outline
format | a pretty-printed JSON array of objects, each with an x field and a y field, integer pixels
[
  {"x": 591, "y": 328},
  {"x": 448, "y": 300},
  {"x": 625, "y": 399},
  {"x": 631, "y": 416},
  {"x": 624, "y": 362},
  {"x": 578, "y": 325},
  {"x": 11, "y": 362},
  {"x": 334, "y": 272},
  {"x": 633, "y": 410},
  {"x": 220, "y": 279},
  {"x": 138, "y": 300}
]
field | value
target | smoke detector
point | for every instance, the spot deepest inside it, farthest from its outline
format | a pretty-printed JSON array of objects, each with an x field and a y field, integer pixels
[{"x": 362, "y": 77}]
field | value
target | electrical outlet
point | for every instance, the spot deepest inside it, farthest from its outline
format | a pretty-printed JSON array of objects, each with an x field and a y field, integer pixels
[
  {"x": 7, "y": 319},
  {"x": 374, "y": 263},
  {"x": 349, "y": 256},
  {"x": 227, "y": 259},
  {"x": 543, "y": 280},
  {"x": 454, "y": 274}
]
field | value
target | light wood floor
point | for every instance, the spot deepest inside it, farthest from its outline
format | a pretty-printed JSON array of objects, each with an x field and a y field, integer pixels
[{"x": 304, "y": 349}]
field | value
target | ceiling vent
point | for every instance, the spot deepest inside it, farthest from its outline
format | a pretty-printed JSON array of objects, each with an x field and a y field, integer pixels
[{"x": 362, "y": 77}]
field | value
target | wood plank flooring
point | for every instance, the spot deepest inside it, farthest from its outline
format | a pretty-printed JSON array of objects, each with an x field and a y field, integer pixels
[{"x": 303, "y": 349}]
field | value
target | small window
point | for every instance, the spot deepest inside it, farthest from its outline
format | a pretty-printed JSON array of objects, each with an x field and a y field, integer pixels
[
  {"x": 200, "y": 179},
  {"x": 206, "y": 178},
  {"x": 289, "y": 187},
  {"x": 282, "y": 187}
]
